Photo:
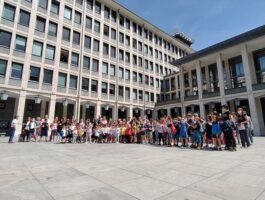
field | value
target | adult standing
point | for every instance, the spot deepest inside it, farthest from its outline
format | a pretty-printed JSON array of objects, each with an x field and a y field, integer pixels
[
  {"x": 13, "y": 129},
  {"x": 242, "y": 122},
  {"x": 227, "y": 129}
]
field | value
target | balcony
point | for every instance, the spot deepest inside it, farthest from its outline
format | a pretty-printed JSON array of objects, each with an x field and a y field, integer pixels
[
  {"x": 206, "y": 94},
  {"x": 258, "y": 86},
  {"x": 235, "y": 90},
  {"x": 174, "y": 101},
  {"x": 191, "y": 98}
]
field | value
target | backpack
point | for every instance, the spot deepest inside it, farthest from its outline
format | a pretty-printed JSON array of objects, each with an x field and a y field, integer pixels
[
  {"x": 227, "y": 126},
  {"x": 216, "y": 128}
]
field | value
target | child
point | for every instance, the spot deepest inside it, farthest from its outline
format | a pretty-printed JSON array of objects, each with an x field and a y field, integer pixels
[
  {"x": 89, "y": 132},
  {"x": 183, "y": 132},
  {"x": 216, "y": 132}
]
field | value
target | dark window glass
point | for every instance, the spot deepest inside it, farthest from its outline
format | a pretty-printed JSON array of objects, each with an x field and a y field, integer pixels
[
  {"x": 85, "y": 84},
  {"x": 52, "y": 29},
  {"x": 24, "y": 18},
  {"x": 9, "y": 12},
  {"x": 113, "y": 34},
  {"x": 106, "y": 12},
  {"x": 112, "y": 89},
  {"x": 48, "y": 76},
  {"x": 121, "y": 91},
  {"x": 66, "y": 34},
  {"x": 17, "y": 70},
  {"x": 96, "y": 45},
  {"x": 89, "y": 22},
  {"x": 37, "y": 48},
  {"x": 67, "y": 13},
  {"x": 3, "y": 65},
  {"x": 88, "y": 42},
  {"x": 62, "y": 79},
  {"x": 76, "y": 37},
  {"x": 95, "y": 65},
  {"x": 106, "y": 30},
  {"x": 97, "y": 26},
  {"x": 104, "y": 87},
  {"x": 97, "y": 7},
  {"x": 40, "y": 24},
  {"x": 89, "y": 4},
  {"x": 94, "y": 86},
  {"x": 75, "y": 59},
  {"x": 78, "y": 17},
  {"x": 113, "y": 16},
  {"x": 50, "y": 52},
  {"x": 105, "y": 49},
  {"x": 21, "y": 43},
  {"x": 64, "y": 56},
  {"x": 34, "y": 74},
  {"x": 43, "y": 4},
  {"x": 55, "y": 6},
  {"x": 86, "y": 62},
  {"x": 73, "y": 82}
]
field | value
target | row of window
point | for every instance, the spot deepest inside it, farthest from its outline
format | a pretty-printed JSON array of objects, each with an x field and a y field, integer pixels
[{"x": 24, "y": 19}]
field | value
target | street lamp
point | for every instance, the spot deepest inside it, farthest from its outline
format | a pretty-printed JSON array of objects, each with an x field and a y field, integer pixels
[
  {"x": 65, "y": 103},
  {"x": 37, "y": 99},
  {"x": 3, "y": 96},
  {"x": 87, "y": 105}
]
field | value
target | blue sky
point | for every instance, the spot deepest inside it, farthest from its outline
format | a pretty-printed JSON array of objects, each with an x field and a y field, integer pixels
[{"x": 206, "y": 21}]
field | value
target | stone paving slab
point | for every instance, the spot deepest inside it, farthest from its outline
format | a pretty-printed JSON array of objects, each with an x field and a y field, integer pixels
[{"x": 125, "y": 171}]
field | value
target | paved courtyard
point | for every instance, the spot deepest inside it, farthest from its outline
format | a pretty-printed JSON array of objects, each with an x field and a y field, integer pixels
[{"x": 123, "y": 171}]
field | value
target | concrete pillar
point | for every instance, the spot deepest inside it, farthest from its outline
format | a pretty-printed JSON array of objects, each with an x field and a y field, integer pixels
[
  {"x": 97, "y": 110},
  {"x": 207, "y": 76},
  {"x": 114, "y": 112},
  {"x": 246, "y": 65},
  {"x": 199, "y": 79},
  {"x": 202, "y": 109},
  {"x": 260, "y": 116},
  {"x": 64, "y": 111},
  {"x": 220, "y": 75},
  {"x": 52, "y": 105},
  {"x": 77, "y": 110},
  {"x": 130, "y": 111},
  {"x": 42, "y": 108},
  {"x": 228, "y": 74},
  {"x": 254, "y": 114},
  {"x": 20, "y": 111},
  {"x": 84, "y": 112},
  {"x": 232, "y": 106},
  {"x": 168, "y": 111}
]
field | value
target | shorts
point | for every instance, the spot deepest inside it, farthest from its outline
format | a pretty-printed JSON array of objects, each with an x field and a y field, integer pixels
[
  {"x": 44, "y": 134},
  {"x": 171, "y": 136},
  {"x": 218, "y": 135}
]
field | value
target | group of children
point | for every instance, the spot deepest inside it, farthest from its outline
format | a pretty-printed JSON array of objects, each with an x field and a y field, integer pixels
[{"x": 191, "y": 131}]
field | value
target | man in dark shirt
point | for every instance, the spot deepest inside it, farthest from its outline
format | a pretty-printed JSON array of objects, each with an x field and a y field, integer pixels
[{"x": 227, "y": 129}]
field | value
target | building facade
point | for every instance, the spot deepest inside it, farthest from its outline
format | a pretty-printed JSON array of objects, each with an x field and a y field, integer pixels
[
  {"x": 81, "y": 58},
  {"x": 231, "y": 72}
]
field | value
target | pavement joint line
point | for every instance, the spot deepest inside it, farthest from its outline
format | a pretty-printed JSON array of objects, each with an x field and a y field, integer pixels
[{"x": 260, "y": 194}]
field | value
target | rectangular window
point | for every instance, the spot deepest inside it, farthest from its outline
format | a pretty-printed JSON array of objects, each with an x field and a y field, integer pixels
[
  {"x": 97, "y": 26},
  {"x": 3, "y": 65},
  {"x": 62, "y": 79},
  {"x": 75, "y": 59},
  {"x": 127, "y": 24},
  {"x": 112, "y": 89},
  {"x": 88, "y": 22},
  {"x": 104, "y": 68},
  {"x": 21, "y": 43},
  {"x": 43, "y": 4},
  {"x": 52, "y": 29},
  {"x": 17, "y": 70},
  {"x": 40, "y": 24},
  {"x": 73, "y": 82},
  {"x": 86, "y": 62},
  {"x": 80, "y": 2},
  {"x": 106, "y": 12},
  {"x": 134, "y": 94},
  {"x": 134, "y": 76},
  {"x": 66, "y": 34},
  {"x": 113, "y": 34},
  {"x": 121, "y": 91},
  {"x": 127, "y": 40},
  {"x": 140, "y": 95},
  {"x": 259, "y": 60},
  {"x": 127, "y": 57},
  {"x": 34, "y": 74},
  {"x": 78, "y": 17},
  {"x": 97, "y": 7},
  {"x": 94, "y": 86},
  {"x": 104, "y": 87},
  {"x": 85, "y": 84},
  {"x": 9, "y": 12},
  {"x": 68, "y": 13},
  {"x": 96, "y": 45},
  {"x": 113, "y": 16},
  {"x": 55, "y": 6},
  {"x": 105, "y": 49},
  {"x": 112, "y": 70},
  {"x": 88, "y": 42},
  {"x": 64, "y": 56},
  {"x": 121, "y": 54},
  {"x": 121, "y": 38},
  {"x": 127, "y": 74},
  {"x": 37, "y": 48},
  {"x": 121, "y": 20},
  {"x": 134, "y": 27},
  {"x": 106, "y": 30},
  {"x": 48, "y": 76},
  {"x": 120, "y": 72},
  {"x": 76, "y": 37},
  {"x": 113, "y": 52},
  {"x": 24, "y": 18},
  {"x": 140, "y": 78},
  {"x": 89, "y": 4},
  {"x": 95, "y": 65},
  {"x": 50, "y": 52},
  {"x": 127, "y": 92}
]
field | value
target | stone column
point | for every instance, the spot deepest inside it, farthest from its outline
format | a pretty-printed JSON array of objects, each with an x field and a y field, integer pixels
[
  {"x": 97, "y": 110},
  {"x": 246, "y": 65},
  {"x": 228, "y": 74},
  {"x": 220, "y": 75},
  {"x": 84, "y": 112},
  {"x": 20, "y": 111},
  {"x": 168, "y": 111},
  {"x": 43, "y": 108},
  {"x": 254, "y": 114},
  {"x": 114, "y": 112},
  {"x": 65, "y": 111},
  {"x": 199, "y": 79},
  {"x": 130, "y": 111},
  {"x": 52, "y": 105}
]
